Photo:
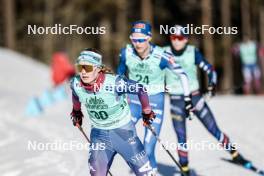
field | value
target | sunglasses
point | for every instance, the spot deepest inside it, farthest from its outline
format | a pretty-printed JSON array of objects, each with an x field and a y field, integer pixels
[
  {"x": 178, "y": 37},
  {"x": 87, "y": 68},
  {"x": 138, "y": 40}
]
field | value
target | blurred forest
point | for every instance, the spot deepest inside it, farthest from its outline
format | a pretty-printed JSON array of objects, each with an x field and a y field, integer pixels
[{"x": 117, "y": 15}]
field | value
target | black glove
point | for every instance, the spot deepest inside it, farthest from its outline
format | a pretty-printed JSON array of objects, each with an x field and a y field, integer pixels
[
  {"x": 76, "y": 117},
  {"x": 148, "y": 118},
  {"x": 188, "y": 105},
  {"x": 211, "y": 89}
]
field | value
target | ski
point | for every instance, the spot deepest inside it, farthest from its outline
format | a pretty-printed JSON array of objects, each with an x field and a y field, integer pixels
[
  {"x": 249, "y": 167},
  {"x": 194, "y": 173}
]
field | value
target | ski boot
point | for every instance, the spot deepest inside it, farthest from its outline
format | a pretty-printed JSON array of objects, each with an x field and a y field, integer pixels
[{"x": 239, "y": 159}]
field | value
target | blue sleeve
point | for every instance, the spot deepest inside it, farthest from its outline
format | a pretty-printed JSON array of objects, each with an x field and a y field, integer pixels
[
  {"x": 201, "y": 61},
  {"x": 164, "y": 62},
  {"x": 205, "y": 66},
  {"x": 122, "y": 68}
]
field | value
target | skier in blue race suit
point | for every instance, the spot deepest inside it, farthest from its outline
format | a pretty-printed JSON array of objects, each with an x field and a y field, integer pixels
[
  {"x": 189, "y": 57},
  {"x": 145, "y": 63}
]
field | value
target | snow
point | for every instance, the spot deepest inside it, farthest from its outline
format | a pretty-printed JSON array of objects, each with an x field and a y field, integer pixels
[{"x": 241, "y": 117}]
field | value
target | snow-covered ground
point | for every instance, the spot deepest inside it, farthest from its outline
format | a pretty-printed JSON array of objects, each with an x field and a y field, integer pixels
[{"x": 21, "y": 78}]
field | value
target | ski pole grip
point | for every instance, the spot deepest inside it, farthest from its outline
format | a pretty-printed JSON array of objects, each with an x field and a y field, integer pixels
[{"x": 78, "y": 125}]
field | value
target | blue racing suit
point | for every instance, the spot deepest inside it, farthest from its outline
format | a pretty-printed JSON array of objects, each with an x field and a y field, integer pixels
[{"x": 149, "y": 71}]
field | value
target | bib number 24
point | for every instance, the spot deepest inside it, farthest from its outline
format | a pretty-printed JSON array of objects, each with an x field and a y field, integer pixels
[{"x": 144, "y": 79}]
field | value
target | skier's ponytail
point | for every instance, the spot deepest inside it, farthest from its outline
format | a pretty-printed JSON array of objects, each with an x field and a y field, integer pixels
[{"x": 106, "y": 70}]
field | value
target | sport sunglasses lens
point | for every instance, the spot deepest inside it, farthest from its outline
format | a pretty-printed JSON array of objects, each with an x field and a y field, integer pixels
[
  {"x": 138, "y": 40},
  {"x": 179, "y": 37},
  {"x": 87, "y": 68}
]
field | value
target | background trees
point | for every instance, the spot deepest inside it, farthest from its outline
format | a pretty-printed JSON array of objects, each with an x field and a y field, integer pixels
[{"x": 117, "y": 15}]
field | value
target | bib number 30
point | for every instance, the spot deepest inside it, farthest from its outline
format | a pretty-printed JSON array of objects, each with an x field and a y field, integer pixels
[{"x": 100, "y": 115}]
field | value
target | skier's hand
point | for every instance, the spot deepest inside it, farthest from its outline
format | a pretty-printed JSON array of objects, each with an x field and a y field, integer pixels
[
  {"x": 188, "y": 105},
  {"x": 211, "y": 90},
  {"x": 148, "y": 118},
  {"x": 76, "y": 117}
]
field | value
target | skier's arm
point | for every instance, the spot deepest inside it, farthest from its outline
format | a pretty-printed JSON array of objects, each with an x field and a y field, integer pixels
[
  {"x": 206, "y": 67},
  {"x": 177, "y": 69},
  {"x": 76, "y": 104},
  {"x": 121, "y": 69},
  {"x": 76, "y": 114},
  {"x": 124, "y": 85},
  {"x": 166, "y": 62}
]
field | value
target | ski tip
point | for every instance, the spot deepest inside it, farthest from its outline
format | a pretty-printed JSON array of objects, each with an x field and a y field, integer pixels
[
  {"x": 260, "y": 172},
  {"x": 248, "y": 166}
]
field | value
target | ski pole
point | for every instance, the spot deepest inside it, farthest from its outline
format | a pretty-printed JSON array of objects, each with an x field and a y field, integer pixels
[
  {"x": 163, "y": 146},
  {"x": 81, "y": 129}
]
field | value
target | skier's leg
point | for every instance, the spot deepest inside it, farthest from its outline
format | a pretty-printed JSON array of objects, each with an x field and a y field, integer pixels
[
  {"x": 208, "y": 120},
  {"x": 205, "y": 115},
  {"x": 247, "y": 79},
  {"x": 179, "y": 124},
  {"x": 128, "y": 145},
  {"x": 135, "y": 107},
  {"x": 157, "y": 104},
  {"x": 101, "y": 153},
  {"x": 257, "y": 78}
]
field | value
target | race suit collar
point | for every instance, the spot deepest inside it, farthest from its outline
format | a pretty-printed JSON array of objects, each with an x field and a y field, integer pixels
[
  {"x": 96, "y": 85},
  {"x": 179, "y": 52}
]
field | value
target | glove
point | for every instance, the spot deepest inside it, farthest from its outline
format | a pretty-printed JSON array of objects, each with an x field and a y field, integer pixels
[
  {"x": 211, "y": 89},
  {"x": 76, "y": 117},
  {"x": 188, "y": 105},
  {"x": 148, "y": 118}
]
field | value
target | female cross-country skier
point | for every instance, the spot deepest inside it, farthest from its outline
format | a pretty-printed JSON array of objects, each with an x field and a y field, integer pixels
[
  {"x": 145, "y": 63},
  {"x": 189, "y": 58},
  {"x": 104, "y": 97}
]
